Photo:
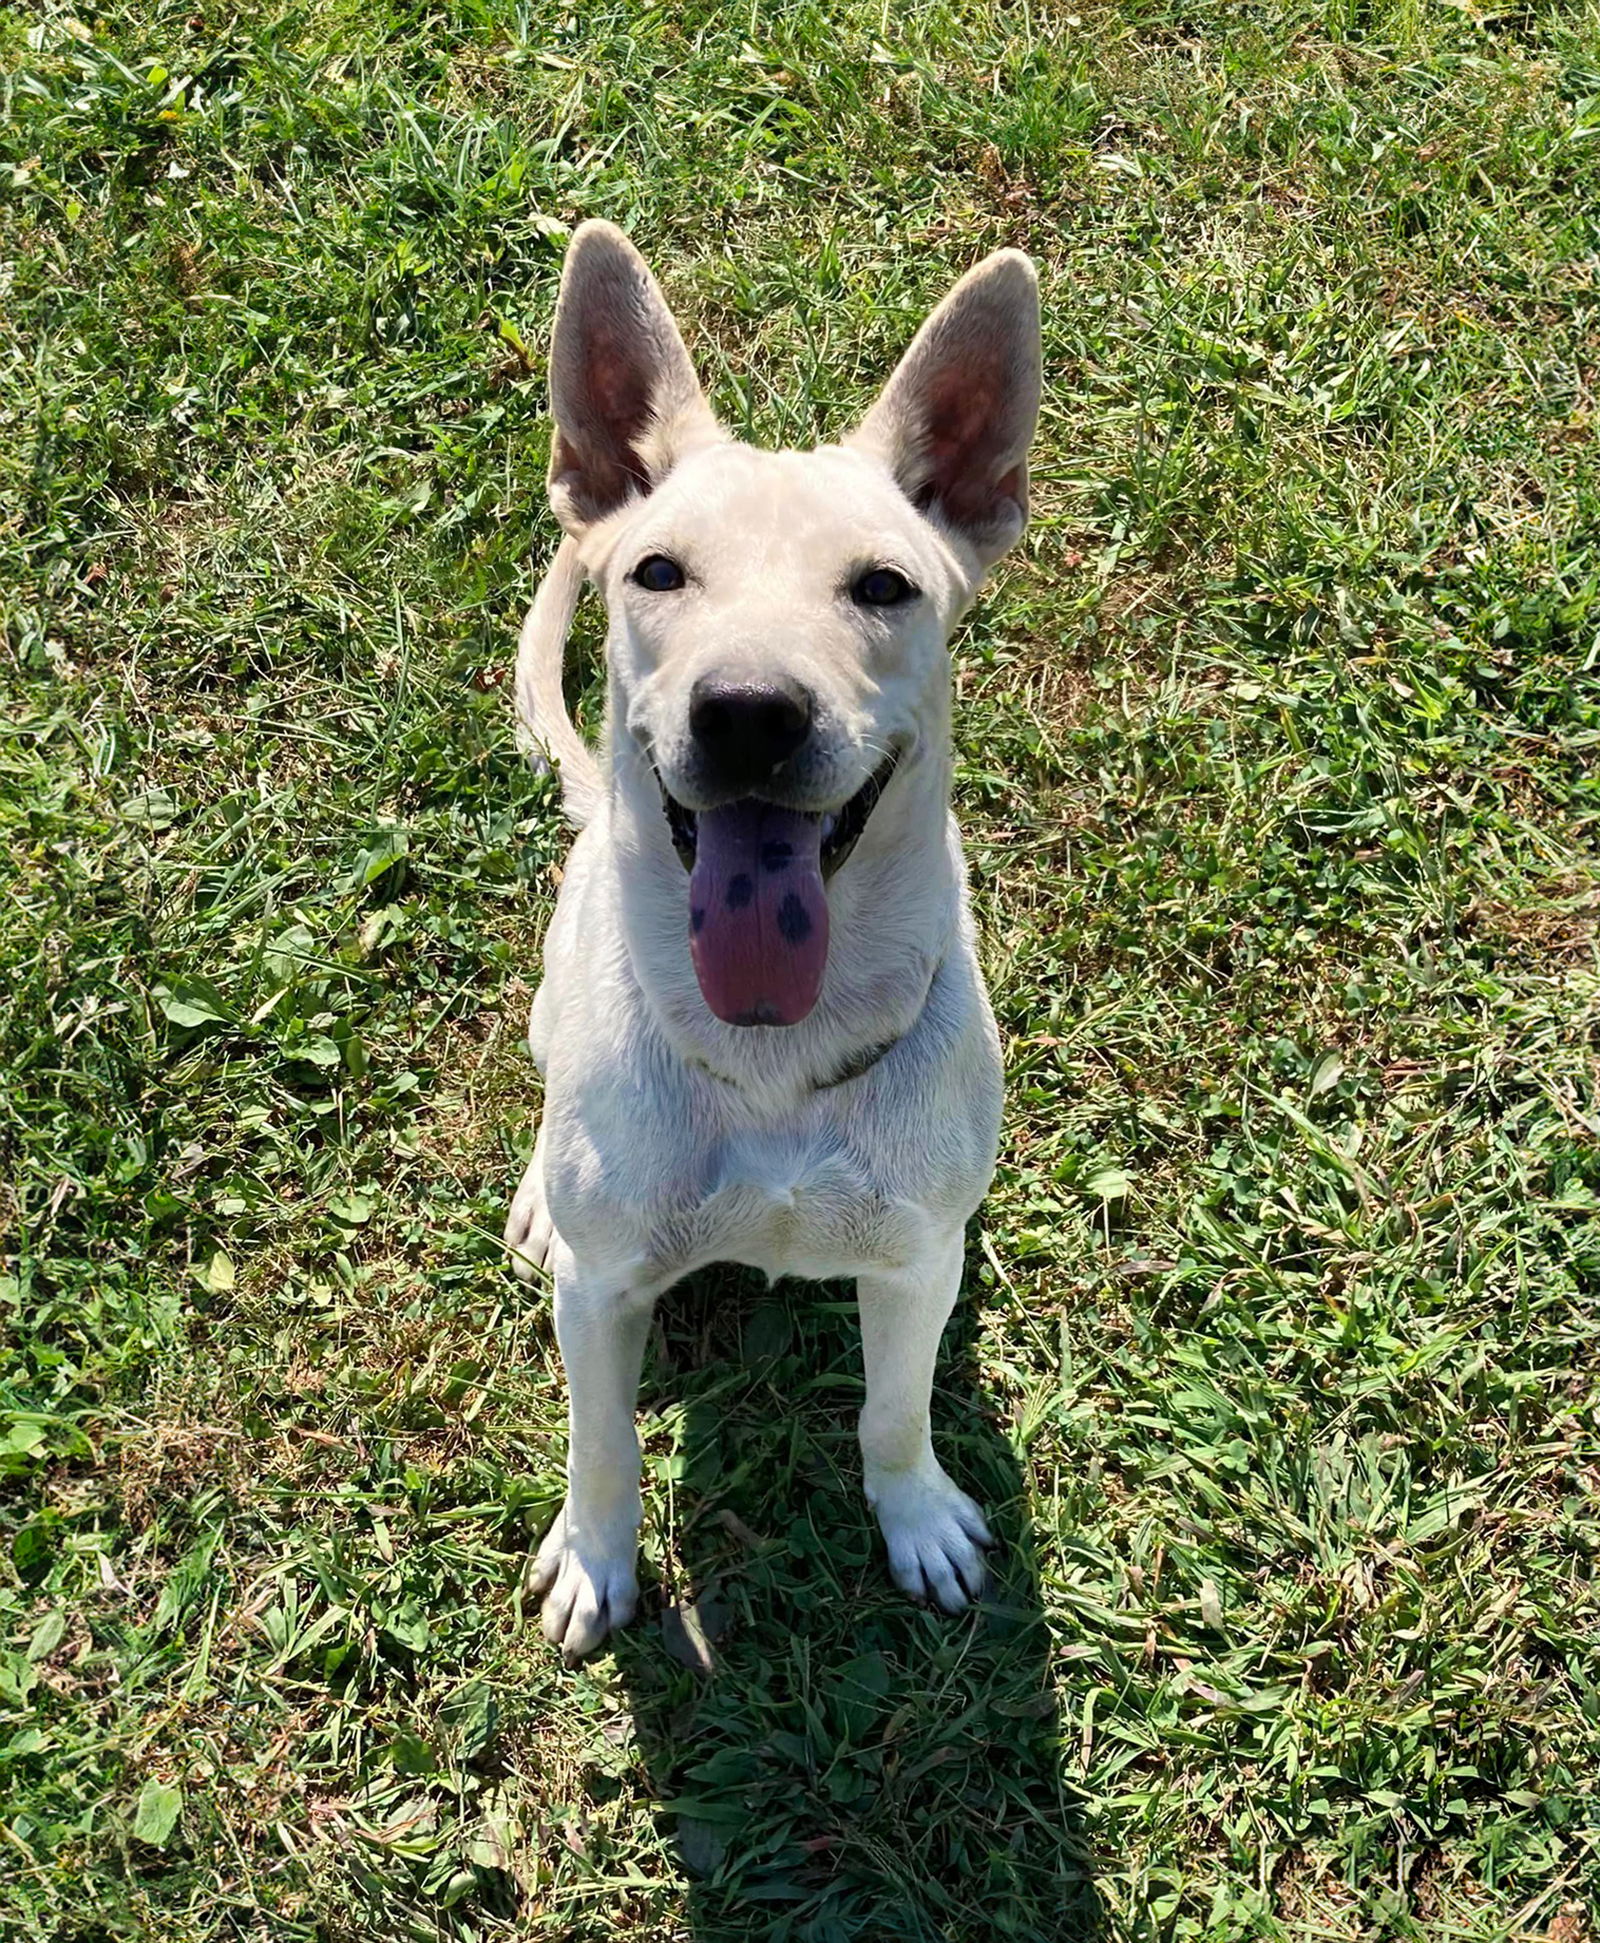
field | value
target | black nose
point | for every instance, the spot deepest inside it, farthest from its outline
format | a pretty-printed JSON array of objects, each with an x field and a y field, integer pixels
[{"x": 744, "y": 729}]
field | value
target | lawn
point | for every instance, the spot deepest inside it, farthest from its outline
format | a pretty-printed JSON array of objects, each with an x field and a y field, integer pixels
[{"x": 1279, "y": 1365}]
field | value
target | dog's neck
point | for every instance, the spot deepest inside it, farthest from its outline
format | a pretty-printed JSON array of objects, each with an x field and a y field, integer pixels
[{"x": 894, "y": 906}]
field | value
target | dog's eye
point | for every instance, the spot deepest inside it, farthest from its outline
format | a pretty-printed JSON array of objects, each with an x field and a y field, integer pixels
[
  {"x": 882, "y": 587},
  {"x": 658, "y": 575}
]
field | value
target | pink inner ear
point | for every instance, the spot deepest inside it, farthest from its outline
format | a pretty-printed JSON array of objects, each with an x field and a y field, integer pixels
[
  {"x": 606, "y": 446},
  {"x": 618, "y": 394},
  {"x": 960, "y": 436}
]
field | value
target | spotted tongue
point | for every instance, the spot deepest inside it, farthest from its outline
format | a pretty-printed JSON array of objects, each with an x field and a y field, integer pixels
[{"x": 758, "y": 915}]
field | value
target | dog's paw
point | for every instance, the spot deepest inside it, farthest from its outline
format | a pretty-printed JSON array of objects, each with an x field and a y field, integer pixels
[
  {"x": 935, "y": 1534},
  {"x": 528, "y": 1229},
  {"x": 587, "y": 1584}
]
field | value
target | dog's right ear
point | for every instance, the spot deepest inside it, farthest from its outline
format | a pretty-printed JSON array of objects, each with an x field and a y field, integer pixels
[{"x": 627, "y": 404}]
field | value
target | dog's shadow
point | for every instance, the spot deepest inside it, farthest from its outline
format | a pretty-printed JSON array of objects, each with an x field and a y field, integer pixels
[{"x": 830, "y": 1762}]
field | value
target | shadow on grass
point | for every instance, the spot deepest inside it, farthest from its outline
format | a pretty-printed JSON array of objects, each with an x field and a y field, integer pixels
[{"x": 849, "y": 1766}]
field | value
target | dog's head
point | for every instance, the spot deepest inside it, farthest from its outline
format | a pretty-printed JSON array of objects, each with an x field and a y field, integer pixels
[{"x": 779, "y": 620}]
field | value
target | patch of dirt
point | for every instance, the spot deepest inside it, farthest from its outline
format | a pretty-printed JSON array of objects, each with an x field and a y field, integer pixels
[
  {"x": 166, "y": 1463},
  {"x": 1307, "y": 1889},
  {"x": 1564, "y": 923}
]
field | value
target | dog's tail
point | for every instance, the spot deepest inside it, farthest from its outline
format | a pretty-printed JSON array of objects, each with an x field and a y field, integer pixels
[{"x": 544, "y": 729}]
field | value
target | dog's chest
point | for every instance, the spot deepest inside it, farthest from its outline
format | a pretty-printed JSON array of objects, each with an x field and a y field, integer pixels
[{"x": 788, "y": 1203}]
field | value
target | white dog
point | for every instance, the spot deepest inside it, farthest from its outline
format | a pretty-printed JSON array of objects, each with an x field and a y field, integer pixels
[{"x": 764, "y": 1033}]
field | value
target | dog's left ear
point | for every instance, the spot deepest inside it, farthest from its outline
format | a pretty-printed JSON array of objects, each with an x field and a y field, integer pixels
[
  {"x": 626, "y": 401},
  {"x": 955, "y": 421}
]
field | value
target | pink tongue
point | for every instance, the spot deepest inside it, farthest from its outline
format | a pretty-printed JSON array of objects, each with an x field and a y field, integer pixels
[{"x": 758, "y": 915}]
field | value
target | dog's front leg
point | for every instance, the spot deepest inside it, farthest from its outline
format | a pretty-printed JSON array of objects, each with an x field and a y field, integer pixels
[
  {"x": 934, "y": 1530},
  {"x": 585, "y": 1566}
]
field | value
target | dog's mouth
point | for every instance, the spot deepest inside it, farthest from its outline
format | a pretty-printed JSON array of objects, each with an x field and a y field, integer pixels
[
  {"x": 839, "y": 830},
  {"x": 758, "y": 906}
]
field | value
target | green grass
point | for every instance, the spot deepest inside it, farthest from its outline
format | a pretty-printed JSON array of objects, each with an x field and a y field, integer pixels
[{"x": 1281, "y": 1358}]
